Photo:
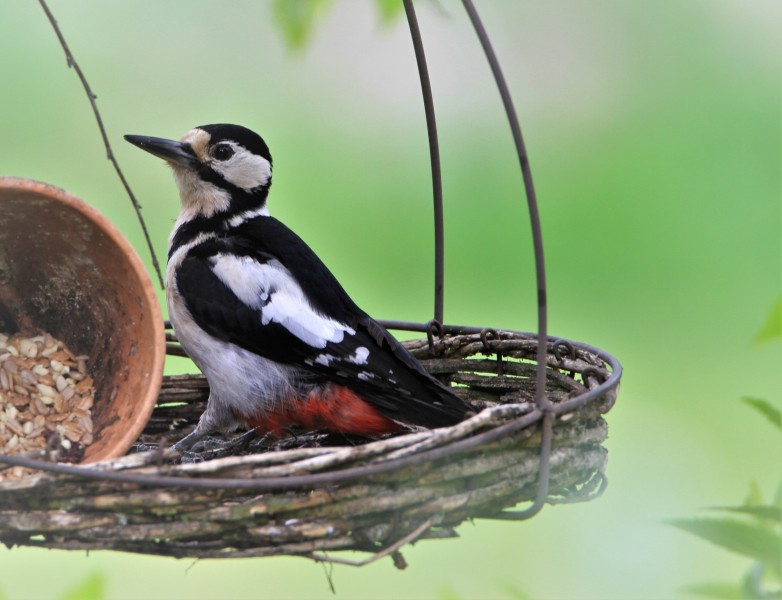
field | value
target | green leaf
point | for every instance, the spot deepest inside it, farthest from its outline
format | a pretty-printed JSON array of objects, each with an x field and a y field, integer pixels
[
  {"x": 448, "y": 594},
  {"x": 768, "y": 410},
  {"x": 742, "y": 538},
  {"x": 92, "y": 588},
  {"x": 772, "y": 328},
  {"x": 389, "y": 9},
  {"x": 755, "y": 496},
  {"x": 762, "y": 512},
  {"x": 752, "y": 584},
  {"x": 729, "y": 591},
  {"x": 296, "y": 19},
  {"x": 514, "y": 592}
]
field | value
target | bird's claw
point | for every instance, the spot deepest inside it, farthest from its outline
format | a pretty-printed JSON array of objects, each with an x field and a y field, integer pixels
[{"x": 203, "y": 447}]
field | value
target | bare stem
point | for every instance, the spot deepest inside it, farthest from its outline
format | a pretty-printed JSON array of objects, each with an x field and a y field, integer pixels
[
  {"x": 109, "y": 153},
  {"x": 393, "y": 549}
]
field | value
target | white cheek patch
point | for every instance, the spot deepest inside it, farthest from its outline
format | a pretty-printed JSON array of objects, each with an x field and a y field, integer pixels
[
  {"x": 270, "y": 288},
  {"x": 244, "y": 169}
]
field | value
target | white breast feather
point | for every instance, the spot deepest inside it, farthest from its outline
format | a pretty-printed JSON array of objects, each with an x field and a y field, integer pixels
[
  {"x": 241, "y": 382},
  {"x": 271, "y": 288}
]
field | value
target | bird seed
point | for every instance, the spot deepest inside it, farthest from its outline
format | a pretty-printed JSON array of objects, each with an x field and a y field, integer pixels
[{"x": 46, "y": 398}]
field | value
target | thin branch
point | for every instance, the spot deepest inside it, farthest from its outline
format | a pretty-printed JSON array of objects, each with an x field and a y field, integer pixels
[
  {"x": 328, "y": 570},
  {"x": 389, "y": 550},
  {"x": 109, "y": 153}
]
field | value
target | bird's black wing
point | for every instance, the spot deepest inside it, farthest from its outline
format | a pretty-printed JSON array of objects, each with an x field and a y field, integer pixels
[{"x": 264, "y": 289}]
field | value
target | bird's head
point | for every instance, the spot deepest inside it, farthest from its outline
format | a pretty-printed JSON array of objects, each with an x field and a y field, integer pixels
[{"x": 218, "y": 168}]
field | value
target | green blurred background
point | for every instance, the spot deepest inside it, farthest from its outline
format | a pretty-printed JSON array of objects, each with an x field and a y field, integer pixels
[{"x": 654, "y": 135}]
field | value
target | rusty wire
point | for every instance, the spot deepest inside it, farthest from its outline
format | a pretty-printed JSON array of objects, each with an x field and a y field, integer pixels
[
  {"x": 529, "y": 188},
  {"x": 434, "y": 155}
]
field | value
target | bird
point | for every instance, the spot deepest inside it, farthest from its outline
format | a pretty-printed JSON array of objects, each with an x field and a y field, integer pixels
[{"x": 280, "y": 341}]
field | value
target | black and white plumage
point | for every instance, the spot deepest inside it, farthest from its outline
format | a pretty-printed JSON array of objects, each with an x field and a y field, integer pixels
[{"x": 278, "y": 338}]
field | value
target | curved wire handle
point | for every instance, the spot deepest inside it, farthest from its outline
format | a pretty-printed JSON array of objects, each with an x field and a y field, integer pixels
[
  {"x": 529, "y": 187},
  {"x": 434, "y": 155},
  {"x": 542, "y": 402},
  {"x": 532, "y": 202}
]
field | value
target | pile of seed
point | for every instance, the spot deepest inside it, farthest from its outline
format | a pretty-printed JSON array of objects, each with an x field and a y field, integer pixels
[{"x": 46, "y": 399}]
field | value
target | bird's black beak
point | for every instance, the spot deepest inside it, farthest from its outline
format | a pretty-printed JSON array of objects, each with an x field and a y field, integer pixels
[{"x": 170, "y": 150}]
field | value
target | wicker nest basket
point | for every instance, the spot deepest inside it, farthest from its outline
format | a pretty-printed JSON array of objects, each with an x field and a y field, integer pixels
[{"x": 306, "y": 495}]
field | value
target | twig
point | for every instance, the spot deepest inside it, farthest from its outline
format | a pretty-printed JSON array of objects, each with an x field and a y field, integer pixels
[
  {"x": 328, "y": 570},
  {"x": 109, "y": 153},
  {"x": 393, "y": 549}
]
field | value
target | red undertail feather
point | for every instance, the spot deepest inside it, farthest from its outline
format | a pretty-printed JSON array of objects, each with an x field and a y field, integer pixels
[{"x": 333, "y": 408}]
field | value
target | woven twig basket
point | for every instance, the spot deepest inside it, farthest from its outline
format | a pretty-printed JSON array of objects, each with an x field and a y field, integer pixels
[{"x": 372, "y": 497}]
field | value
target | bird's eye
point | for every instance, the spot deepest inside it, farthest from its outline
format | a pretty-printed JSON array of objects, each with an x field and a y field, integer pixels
[{"x": 222, "y": 152}]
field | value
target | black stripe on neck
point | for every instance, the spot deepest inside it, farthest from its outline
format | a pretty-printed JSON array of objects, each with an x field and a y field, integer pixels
[
  {"x": 191, "y": 229},
  {"x": 241, "y": 199}
]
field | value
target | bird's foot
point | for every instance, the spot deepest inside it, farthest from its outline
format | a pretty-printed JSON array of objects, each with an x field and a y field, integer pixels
[{"x": 204, "y": 447}]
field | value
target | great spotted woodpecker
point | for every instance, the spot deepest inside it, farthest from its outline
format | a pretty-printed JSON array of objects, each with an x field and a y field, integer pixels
[{"x": 280, "y": 341}]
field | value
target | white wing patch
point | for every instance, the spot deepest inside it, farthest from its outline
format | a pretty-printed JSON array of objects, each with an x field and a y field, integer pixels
[
  {"x": 270, "y": 287},
  {"x": 323, "y": 359},
  {"x": 359, "y": 357}
]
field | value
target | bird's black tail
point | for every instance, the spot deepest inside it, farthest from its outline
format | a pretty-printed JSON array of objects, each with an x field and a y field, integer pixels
[{"x": 409, "y": 393}]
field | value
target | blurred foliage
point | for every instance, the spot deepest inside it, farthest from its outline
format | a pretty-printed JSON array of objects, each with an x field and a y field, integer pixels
[
  {"x": 757, "y": 534},
  {"x": 448, "y": 594},
  {"x": 389, "y": 9},
  {"x": 513, "y": 592},
  {"x": 509, "y": 592},
  {"x": 92, "y": 588},
  {"x": 755, "y": 538},
  {"x": 768, "y": 410},
  {"x": 772, "y": 329},
  {"x": 296, "y": 18}
]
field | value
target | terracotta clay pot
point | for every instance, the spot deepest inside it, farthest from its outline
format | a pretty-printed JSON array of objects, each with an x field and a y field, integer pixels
[{"x": 66, "y": 270}]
